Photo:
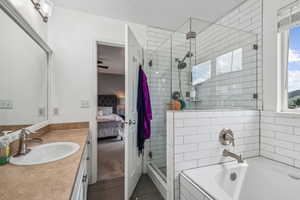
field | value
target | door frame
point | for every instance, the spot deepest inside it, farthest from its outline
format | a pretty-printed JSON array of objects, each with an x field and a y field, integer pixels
[{"x": 93, "y": 151}]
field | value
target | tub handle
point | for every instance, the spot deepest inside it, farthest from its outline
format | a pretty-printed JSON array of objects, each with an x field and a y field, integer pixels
[{"x": 226, "y": 137}]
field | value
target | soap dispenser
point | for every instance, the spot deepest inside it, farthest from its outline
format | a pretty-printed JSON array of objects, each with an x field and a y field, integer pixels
[{"x": 4, "y": 150}]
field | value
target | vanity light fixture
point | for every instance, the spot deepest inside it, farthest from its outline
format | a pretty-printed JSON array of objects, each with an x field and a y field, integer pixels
[{"x": 44, "y": 8}]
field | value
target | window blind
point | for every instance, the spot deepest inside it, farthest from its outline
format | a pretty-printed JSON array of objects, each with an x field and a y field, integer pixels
[{"x": 289, "y": 16}]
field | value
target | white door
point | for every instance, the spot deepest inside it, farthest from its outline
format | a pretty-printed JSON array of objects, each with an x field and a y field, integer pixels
[{"x": 133, "y": 162}]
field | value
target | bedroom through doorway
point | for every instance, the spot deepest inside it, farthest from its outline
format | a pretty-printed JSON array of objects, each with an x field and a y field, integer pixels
[{"x": 110, "y": 120}]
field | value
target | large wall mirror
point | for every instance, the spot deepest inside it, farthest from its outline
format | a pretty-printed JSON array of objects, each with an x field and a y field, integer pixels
[{"x": 23, "y": 75}]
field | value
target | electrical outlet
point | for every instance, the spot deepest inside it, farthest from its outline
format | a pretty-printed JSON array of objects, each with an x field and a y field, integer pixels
[
  {"x": 41, "y": 112},
  {"x": 55, "y": 111},
  {"x": 84, "y": 104},
  {"x": 6, "y": 104}
]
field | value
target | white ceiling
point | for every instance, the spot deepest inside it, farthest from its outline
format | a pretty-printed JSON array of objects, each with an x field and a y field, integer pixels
[
  {"x": 113, "y": 57},
  {"x": 167, "y": 14}
]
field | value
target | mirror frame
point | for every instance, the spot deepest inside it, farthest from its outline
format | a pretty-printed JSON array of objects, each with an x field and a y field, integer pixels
[{"x": 17, "y": 17}]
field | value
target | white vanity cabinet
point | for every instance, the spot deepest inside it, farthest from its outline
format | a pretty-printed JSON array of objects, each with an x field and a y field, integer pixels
[{"x": 81, "y": 184}]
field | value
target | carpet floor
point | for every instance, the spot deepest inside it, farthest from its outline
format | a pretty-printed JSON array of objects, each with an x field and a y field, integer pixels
[{"x": 110, "y": 159}]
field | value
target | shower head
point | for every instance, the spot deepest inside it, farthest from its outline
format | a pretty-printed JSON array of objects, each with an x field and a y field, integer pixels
[{"x": 181, "y": 63}]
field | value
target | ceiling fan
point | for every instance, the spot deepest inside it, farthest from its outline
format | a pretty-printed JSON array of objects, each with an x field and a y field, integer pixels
[{"x": 99, "y": 65}]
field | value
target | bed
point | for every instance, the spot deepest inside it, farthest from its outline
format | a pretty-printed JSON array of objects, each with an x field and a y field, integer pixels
[{"x": 110, "y": 124}]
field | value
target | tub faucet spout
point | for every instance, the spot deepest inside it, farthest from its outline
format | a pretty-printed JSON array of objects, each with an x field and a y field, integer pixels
[{"x": 227, "y": 153}]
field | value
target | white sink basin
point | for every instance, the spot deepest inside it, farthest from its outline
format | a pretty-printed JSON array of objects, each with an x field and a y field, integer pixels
[{"x": 46, "y": 153}]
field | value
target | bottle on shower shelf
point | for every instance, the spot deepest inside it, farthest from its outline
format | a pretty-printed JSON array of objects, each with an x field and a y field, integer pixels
[{"x": 193, "y": 94}]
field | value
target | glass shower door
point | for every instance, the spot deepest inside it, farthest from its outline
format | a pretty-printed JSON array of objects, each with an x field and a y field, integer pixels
[{"x": 159, "y": 75}]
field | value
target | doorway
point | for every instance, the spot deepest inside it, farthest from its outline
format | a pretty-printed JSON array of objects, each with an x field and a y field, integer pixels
[
  {"x": 118, "y": 185},
  {"x": 110, "y": 120}
]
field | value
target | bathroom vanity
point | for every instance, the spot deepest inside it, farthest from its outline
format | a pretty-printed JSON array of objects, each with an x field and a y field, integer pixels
[{"x": 61, "y": 180}]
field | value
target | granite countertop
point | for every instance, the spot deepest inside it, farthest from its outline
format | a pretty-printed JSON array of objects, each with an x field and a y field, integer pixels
[{"x": 49, "y": 181}]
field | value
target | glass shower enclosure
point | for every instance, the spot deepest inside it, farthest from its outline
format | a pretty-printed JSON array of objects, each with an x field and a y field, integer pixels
[{"x": 205, "y": 66}]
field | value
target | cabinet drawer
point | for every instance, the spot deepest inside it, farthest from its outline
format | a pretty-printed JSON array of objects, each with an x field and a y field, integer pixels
[{"x": 81, "y": 178}]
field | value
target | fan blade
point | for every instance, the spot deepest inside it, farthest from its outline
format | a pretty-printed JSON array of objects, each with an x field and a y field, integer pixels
[
  {"x": 102, "y": 58},
  {"x": 103, "y": 66}
]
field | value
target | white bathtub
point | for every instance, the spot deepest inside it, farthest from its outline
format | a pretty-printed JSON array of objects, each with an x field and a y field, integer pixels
[{"x": 256, "y": 179}]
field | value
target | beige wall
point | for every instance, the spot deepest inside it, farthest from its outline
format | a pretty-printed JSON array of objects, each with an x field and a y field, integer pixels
[{"x": 72, "y": 36}]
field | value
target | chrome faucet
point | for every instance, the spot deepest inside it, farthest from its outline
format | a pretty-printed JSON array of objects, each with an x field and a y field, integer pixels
[
  {"x": 227, "y": 153},
  {"x": 226, "y": 137},
  {"x": 23, "y": 149}
]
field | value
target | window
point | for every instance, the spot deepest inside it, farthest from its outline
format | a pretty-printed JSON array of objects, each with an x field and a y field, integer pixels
[
  {"x": 293, "y": 69},
  {"x": 289, "y": 56},
  {"x": 201, "y": 72},
  {"x": 229, "y": 62}
]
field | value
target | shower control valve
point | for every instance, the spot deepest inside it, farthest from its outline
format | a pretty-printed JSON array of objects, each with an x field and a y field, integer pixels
[{"x": 226, "y": 137}]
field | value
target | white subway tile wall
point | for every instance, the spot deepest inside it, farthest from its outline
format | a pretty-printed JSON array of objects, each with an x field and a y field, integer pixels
[
  {"x": 195, "y": 141},
  {"x": 180, "y": 47},
  {"x": 279, "y": 140},
  {"x": 229, "y": 90},
  {"x": 280, "y": 137},
  {"x": 172, "y": 158},
  {"x": 234, "y": 89}
]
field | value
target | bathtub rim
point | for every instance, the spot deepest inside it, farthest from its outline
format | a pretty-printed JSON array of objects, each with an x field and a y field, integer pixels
[
  {"x": 201, "y": 189},
  {"x": 194, "y": 184},
  {"x": 210, "y": 196}
]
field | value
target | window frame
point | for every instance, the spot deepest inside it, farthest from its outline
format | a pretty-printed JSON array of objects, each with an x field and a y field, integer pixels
[{"x": 283, "y": 77}]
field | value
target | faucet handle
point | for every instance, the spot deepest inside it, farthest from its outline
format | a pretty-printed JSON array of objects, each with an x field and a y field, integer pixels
[
  {"x": 229, "y": 137},
  {"x": 226, "y": 137},
  {"x": 4, "y": 132},
  {"x": 26, "y": 132},
  {"x": 35, "y": 140}
]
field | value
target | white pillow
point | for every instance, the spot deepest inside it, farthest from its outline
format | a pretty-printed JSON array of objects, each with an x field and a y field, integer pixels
[
  {"x": 106, "y": 110},
  {"x": 100, "y": 113}
]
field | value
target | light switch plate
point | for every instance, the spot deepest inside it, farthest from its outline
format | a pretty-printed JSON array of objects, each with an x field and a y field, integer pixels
[
  {"x": 6, "y": 104},
  {"x": 84, "y": 104}
]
